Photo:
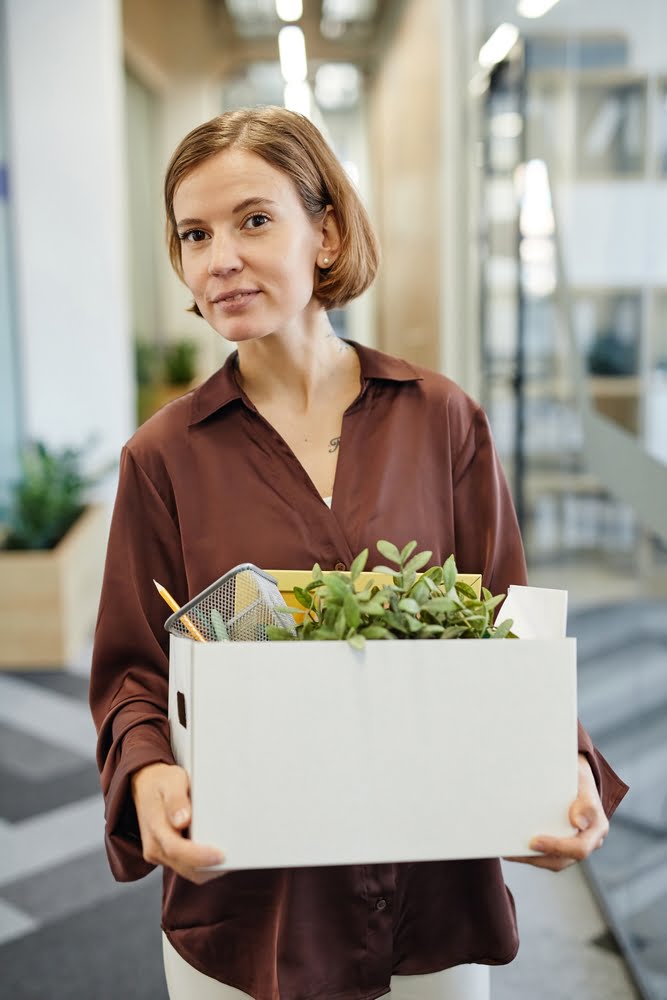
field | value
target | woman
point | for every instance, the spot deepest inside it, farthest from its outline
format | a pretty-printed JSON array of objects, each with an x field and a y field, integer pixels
[{"x": 303, "y": 448}]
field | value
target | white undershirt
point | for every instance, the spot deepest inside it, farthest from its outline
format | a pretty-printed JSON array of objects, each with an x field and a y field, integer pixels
[{"x": 327, "y": 500}]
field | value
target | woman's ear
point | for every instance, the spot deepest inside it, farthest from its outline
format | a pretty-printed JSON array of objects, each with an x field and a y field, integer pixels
[{"x": 329, "y": 238}]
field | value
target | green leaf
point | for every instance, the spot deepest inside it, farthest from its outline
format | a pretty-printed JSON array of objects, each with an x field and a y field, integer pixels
[
  {"x": 357, "y": 566},
  {"x": 340, "y": 627},
  {"x": 352, "y": 612},
  {"x": 324, "y": 634},
  {"x": 449, "y": 573},
  {"x": 421, "y": 592},
  {"x": 316, "y": 572},
  {"x": 503, "y": 630},
  {"x": 330, "y": 616},
  {"x": 408, "y": 550},
  {"x": 464, "y": 589},
  {"x": 278, "y": 634},
  {"x": 417, "y": 562},
  {"x": 374, "y": 608},
  {"x": 287, "y": 609},
  {"x": 493, "y": 602},
  {"x": 218, "y": 626},
  {"x": 440, "y": 605},
  {"x": 365, "y": 595},
  {"x": 303, "y": 597},
  {"x": 337, "y": 585},
  {"x": 431, "y": 630},
  {"x": 397, "y": 622},
  {"x": 409, "y": 605},
  {"x": 375, "y": 632},
  {"x": 390, "y": 552},
  {"x": 413, "y": 624},
  {"x": 356, "y": 640},
  {"x": 453, "y": 632}
]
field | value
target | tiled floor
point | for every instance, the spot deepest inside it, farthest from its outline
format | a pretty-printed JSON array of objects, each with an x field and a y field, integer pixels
[{"x": 69, "y": 932}]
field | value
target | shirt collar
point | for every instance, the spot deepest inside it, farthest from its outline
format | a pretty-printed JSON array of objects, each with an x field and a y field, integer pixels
[{"x": 221, "y": 389}]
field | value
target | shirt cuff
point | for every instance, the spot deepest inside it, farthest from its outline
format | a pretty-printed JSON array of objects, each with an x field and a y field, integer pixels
[
  {"x": 610, "y": 787},
  {"x": 145, "y": 743}
]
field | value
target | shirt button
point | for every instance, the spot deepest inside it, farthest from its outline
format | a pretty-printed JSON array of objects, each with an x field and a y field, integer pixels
[
  {"x": 341, "y": 567},
  {"x": 381, "y": 903}
]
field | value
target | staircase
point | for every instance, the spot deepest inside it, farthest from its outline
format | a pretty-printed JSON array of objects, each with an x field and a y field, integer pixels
[{"x": 622, "y": 657}]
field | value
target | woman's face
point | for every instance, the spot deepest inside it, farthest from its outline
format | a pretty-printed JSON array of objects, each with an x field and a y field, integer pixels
[{"x": 248, "y": 248}]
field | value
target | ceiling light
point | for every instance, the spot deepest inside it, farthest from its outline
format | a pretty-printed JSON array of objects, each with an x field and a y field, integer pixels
[
  {"x": 534, "y": 8},
  {"x": 292, "y": 48},
  {"x": 348, "y": 10},
  {"x": 497, "y": 47},
  {"x": 289, "y": 10}
]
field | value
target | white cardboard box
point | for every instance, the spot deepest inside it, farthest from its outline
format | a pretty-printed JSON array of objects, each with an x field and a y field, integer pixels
[{"x": 313, "y": 753}]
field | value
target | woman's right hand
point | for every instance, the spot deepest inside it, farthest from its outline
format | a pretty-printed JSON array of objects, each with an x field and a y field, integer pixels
[{"x": 161, "y": 794}]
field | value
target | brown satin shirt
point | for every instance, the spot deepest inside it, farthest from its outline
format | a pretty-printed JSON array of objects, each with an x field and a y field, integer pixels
[{"x": 206, "y": 484}]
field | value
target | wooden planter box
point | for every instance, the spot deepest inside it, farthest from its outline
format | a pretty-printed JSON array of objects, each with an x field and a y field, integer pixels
[{"x": 48, "y": 600}]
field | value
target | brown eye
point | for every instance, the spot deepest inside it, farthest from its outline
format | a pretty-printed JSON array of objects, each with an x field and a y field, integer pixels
[
  {"x": 256, "y": 221},
  {"x": 192, "y": 236}
]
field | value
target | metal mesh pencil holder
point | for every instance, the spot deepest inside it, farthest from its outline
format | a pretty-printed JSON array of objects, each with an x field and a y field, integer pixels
[{"x": 237, "y": 608}]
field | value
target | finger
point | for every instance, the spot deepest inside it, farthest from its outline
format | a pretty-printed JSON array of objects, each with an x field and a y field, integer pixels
[
  {"x": 195, "y": 862},
  {"x": 587, "y": 814},
  {"x": 550, "y": 862},
  {"x": 577, "y": 847},
  {"x": 175, "y": 791}
]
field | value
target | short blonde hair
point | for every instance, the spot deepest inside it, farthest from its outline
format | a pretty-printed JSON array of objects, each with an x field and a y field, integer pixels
[{"x": 292, "y": 144}]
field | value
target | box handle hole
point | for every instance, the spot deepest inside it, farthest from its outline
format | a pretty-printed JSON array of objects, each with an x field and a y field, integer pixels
[{"x": 180, "y": 705}]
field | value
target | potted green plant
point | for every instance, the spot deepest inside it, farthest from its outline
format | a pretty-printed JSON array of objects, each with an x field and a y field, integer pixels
[
  {"x": 163, "y": 375},
  {"x": 51, "y": 560},
  {"x": 431, "y": 605},
  {"x": 180, "y": 362}
]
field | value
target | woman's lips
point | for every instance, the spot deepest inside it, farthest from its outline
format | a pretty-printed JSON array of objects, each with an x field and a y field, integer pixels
[{"x": 237, "y": 302}]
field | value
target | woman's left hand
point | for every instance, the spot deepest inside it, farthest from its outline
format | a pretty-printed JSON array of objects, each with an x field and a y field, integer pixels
[{"x": 586, "y": 816}]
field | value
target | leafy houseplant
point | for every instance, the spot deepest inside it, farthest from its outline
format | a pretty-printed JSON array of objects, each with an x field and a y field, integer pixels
[
  {"x": 47, "y": 499},
  {"x": 50, "y": 561},
  {"x": 180, "y": 362},
  {"x": 163, "y": 374},
  {"x": 434, "y": 605}
]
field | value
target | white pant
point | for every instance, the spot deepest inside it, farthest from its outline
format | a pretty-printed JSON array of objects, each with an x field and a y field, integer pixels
[{"x": 464, "y": 982}]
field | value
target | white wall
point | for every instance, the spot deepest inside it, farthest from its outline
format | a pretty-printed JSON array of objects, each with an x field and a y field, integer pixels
[
  {"x": 174, "y": 50},
  {"x": 66, "y": 145}
]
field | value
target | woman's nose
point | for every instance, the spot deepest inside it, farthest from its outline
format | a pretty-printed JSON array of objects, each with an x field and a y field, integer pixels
[{"x": 224, "y": 256}]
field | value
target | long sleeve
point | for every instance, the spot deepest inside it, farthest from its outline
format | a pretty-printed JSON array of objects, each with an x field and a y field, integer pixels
[
  {"x": 485, "y": 524},
  {"x": 488, "y": 538},
  {"x": 130, "y": 670}
]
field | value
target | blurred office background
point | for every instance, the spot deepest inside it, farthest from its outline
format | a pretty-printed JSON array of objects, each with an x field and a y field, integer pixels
[{"x": 513, "y": 154}]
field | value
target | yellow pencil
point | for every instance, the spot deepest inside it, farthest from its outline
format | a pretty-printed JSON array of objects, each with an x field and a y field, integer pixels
[{"x": 166, "y": 596}]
